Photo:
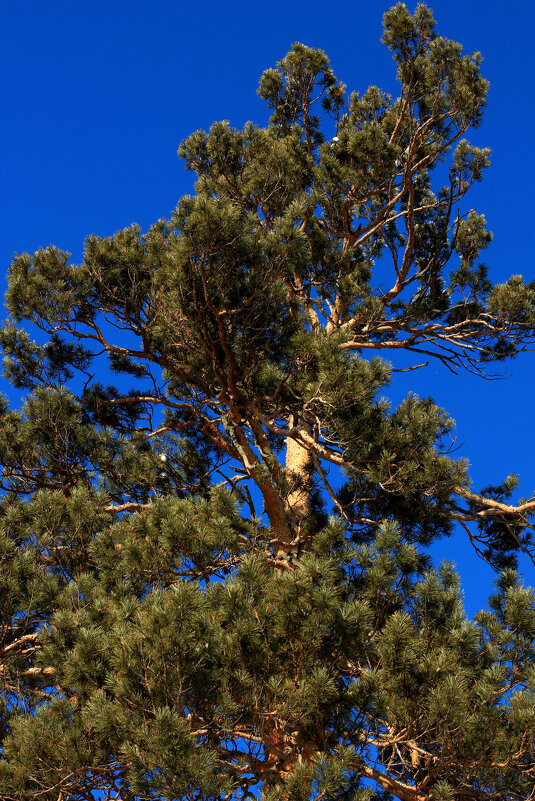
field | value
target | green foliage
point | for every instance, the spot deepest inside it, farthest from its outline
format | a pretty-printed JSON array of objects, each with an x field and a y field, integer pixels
[{"x": 180, "y": 617}]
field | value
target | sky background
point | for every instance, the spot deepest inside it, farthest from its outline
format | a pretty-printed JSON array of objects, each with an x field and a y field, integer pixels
[{"x": 95, "y": 97}]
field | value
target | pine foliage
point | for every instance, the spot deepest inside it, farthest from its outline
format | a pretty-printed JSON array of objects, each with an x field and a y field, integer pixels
[{"x": 215, "y": 580}]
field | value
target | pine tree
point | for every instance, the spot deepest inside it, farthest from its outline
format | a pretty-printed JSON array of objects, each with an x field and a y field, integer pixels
[{"x": 216, "y": 583}]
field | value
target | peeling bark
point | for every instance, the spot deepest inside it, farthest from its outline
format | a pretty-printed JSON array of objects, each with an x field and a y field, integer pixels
[{"x": 297, "y": 467}]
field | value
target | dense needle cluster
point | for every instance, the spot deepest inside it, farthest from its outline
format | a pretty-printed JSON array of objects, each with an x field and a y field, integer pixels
[{"x": 214, "y": 577}]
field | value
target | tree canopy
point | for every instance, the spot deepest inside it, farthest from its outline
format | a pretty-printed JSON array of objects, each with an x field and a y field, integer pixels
[{"x": 215, "y": 579}]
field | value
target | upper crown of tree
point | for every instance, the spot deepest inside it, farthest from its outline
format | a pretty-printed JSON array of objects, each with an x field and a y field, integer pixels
[{"x": 180, "y": 617}]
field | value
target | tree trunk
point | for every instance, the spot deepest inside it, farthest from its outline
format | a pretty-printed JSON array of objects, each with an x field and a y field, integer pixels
[{"x": 298, "y": 470}]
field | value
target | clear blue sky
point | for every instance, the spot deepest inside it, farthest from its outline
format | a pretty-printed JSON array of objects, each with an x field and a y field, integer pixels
[{"x": 96, "y": 95}]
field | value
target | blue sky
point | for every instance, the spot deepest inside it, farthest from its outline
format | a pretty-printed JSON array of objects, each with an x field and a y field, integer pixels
[{"x": 96, "y": 96}]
